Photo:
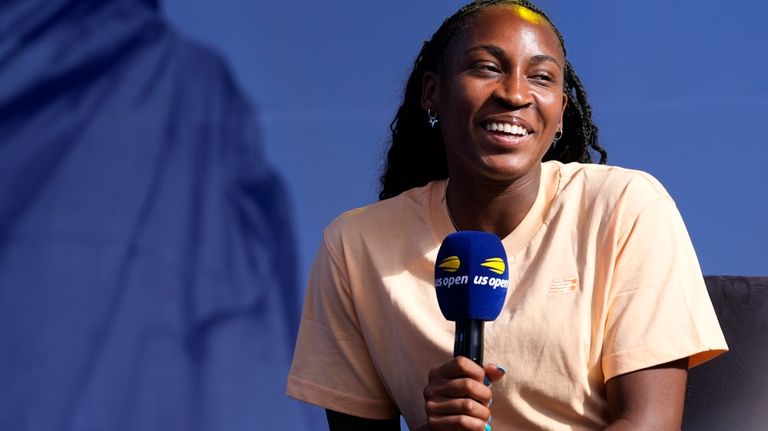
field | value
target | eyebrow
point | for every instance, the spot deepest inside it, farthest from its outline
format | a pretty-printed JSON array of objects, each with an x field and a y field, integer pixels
[
  {"x": 544, "y": 57},
  {"x": 499, "y": 53}
]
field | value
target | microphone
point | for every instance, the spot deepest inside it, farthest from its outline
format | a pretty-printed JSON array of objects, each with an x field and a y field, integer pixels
[{"x": 471, "y": 280}]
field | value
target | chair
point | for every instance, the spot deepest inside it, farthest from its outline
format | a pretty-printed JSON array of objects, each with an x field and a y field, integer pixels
[{"x": 731, "y": 391}]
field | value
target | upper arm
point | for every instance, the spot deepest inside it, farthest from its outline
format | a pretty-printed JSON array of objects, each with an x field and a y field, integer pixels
[
  {"x": 343, "y": 422},
  {"x": 651, "y": 398},
  {"x": 658, "y": 307},
  {"x": 332, "y": 366}
]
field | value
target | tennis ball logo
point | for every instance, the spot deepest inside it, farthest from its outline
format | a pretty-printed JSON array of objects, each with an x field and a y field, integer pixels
[
  {"x": 450, "y": 264},
  {"x": 495, "y": 264}
]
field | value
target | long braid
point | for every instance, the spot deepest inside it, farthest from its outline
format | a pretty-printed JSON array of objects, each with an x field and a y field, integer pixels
[{"x": 416, "y": 154}]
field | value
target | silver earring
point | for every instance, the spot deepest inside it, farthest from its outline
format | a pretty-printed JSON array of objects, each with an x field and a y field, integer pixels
[
  {"x": 558, "y": 135},
  {"x": 432, "y": 118}
]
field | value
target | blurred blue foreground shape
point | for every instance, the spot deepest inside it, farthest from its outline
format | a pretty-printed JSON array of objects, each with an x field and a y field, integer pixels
[{"x": 147, "y": 267}]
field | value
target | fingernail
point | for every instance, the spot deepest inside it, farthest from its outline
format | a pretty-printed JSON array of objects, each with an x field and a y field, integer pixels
[
  {"x": 490, "y": 402},
  {"x": 490, "y": 418},
  {"x": 487, "y": 427},
  {"x": 502, "y": 368},
  {"x": 487, "y": 381}
]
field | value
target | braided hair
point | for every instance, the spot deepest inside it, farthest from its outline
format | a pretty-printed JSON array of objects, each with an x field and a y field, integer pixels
[{"x": 416, "y": 153}]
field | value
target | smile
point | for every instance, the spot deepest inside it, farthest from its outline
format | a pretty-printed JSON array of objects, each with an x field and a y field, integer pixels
[{"x": 506, "y": 128}]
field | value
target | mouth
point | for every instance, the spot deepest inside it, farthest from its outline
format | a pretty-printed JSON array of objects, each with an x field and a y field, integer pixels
[{"x": 508, "y": 131}]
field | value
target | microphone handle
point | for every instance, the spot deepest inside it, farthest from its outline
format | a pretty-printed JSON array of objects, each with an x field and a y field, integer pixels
[{"x": 469, "y": 340}]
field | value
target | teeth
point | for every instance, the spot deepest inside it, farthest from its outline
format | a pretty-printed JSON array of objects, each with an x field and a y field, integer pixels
[{"x": 511, "y": 129}]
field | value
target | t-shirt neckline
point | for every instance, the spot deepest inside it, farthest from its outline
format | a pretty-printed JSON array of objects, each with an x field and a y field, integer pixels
[{"x": 523, "y": 233}]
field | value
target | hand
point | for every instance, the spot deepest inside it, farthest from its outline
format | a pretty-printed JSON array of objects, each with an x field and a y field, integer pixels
[{"x": 458, "y": 395}]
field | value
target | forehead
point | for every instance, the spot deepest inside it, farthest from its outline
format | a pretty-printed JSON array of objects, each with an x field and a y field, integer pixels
[{"x": 510, "y": 25}]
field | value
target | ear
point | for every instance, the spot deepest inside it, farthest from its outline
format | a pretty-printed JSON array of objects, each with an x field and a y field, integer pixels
[{"x": 429, "y": 91}]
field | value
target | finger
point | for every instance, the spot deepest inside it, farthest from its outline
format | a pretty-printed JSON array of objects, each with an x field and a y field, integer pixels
[
  {"x": 458, "y": 367},
  {"x": 458, "y": 388},
  {"x": 464, "y": 423},
  {"x": 457, "y": 407}
]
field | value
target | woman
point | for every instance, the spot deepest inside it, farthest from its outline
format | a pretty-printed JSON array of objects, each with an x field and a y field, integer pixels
[{"x": 607, "y": 306}]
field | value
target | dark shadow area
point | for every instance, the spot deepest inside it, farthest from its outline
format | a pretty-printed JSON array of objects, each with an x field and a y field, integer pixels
[{"x": 730, "y": 393}]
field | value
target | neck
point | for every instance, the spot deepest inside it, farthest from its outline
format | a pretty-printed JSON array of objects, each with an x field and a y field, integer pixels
[{"x": 489, "y": 206}]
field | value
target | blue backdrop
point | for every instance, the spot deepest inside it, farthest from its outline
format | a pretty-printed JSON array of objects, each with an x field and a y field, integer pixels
[{"x": 677, "y": 89}]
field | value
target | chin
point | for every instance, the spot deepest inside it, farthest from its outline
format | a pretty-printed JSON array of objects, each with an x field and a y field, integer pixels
[{"x": 506, "y": 168}]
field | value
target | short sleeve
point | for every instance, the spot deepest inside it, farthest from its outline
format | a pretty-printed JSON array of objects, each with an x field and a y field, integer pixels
[
  {"x": 659, "y": 308},
  {"x": 332, "y": 367}
]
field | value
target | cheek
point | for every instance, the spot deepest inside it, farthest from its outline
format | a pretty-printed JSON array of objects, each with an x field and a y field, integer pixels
[
  {"x": 552, "y": 104},
  {"x": 462, "y": 98}
]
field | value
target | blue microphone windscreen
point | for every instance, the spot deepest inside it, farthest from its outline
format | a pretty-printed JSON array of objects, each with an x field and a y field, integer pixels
[{"x": 471, "y": 276}]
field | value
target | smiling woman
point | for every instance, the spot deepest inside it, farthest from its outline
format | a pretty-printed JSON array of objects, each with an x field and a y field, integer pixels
[
  {"x": 499, "y": 91},
  {"x": 607, "y": 306},
  {"x": 412, "y": 166}
]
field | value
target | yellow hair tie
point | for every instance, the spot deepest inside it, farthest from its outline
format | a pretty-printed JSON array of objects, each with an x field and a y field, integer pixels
[{"x": 527, "y": 14}]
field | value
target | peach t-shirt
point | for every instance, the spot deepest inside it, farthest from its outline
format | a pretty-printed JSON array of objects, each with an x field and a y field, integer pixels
[{"x": 603, "y": 281}]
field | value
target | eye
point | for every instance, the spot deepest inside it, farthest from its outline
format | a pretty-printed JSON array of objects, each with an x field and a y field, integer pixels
[
  {"x": 485, "y": 68},
  {"x": 542, "y": 77}
]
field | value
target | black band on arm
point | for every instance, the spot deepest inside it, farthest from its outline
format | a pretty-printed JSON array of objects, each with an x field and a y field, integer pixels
[{"x": 344, "y": 422}]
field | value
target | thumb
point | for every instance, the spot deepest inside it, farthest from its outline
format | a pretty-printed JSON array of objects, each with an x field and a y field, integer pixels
[{"x": 494, "y": 373}]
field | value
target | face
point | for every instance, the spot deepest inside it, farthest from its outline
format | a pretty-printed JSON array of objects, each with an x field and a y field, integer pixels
[{"x": 499, "y": 94}]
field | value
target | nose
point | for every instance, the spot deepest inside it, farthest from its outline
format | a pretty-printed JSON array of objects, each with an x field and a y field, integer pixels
[{"x": 514, "y": 90}]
